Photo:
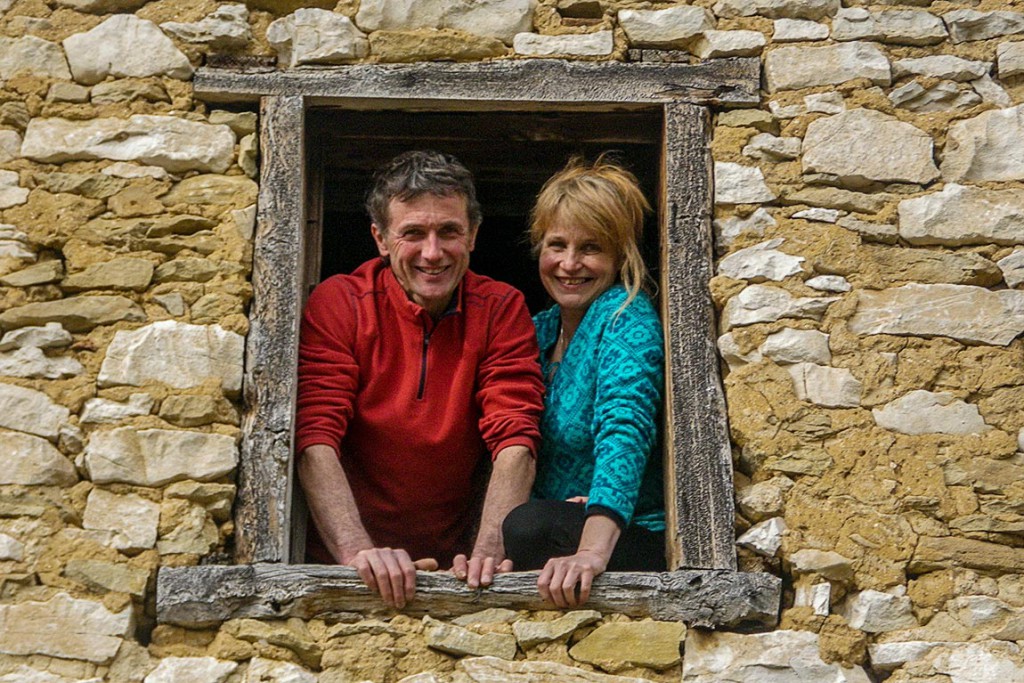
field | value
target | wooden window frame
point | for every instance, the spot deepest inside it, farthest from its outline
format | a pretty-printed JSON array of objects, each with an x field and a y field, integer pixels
[{"x": 703, "y": 587}]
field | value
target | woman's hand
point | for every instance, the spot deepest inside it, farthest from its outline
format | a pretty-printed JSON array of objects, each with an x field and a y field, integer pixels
[{"x": 558, "y": 580}]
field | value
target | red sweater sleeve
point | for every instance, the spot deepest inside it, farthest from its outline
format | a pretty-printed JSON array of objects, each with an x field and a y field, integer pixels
[
  {"x": 328, "y": 373},
  {"x": 510, "y": 390}
]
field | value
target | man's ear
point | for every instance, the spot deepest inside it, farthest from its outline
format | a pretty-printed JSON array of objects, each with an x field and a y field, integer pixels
[
  {"x": 471, "y": 240},
  {"x": 378, "y": 238}
]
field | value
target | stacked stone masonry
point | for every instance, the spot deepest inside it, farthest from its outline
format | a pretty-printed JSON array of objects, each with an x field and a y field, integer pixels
[{"x": 869, "y": 240}]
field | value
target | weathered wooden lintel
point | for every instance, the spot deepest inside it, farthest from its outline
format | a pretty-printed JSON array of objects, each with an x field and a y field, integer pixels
[
  {"x": 205, "y": 595},
  {"x": 531, "y": 83}
]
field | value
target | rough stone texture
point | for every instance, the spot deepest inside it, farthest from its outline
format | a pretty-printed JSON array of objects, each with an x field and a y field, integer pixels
[
  {"x": 618, "y": 646},
  {"x": 966, "y": 24},
  {"x": 779, "y": 657},
  {"x": 962, "y": 215},
  {"x": 432, "y": 45},
  {"x": 30, "y": 411},
  {"x": 942, "y": 96},
  {"x": 941, "y": 66},
  {"x": 876, "y": 612},
  {"x": 788, "y": 346},
  {"x": 991, "y": 92},
  {"x": 775, "y": 9},
  {"x": 825, "y": 386},
  {"x": 665, "y": 28},
  {"x": 38, "y": 274},
  {"x": 982, "y": 662},
  {"x": 904, "y": 27},
  {"x": 763, "y": 303},
  {"x": 1010, "y": 59},
  {"x": 532, "y": 633},
  {"x": 926, "y": 412},
  {"x": 717, "y": 44},
  {"x": 316, "y": 36},
  {"x": 798, "y": 30},
  {"x": 769, "y": 147},
  {"x": 584, "y": 45},
  {"x": 11, "y": 549},
  {"x": 33, "y": 461},
  {"x": 829, "y": 283},
  {"x": 124, "y": 45},
  {"x": 191, "y": 531},
  {"x": 102, "y": 6},
  {"x": 861, "y": 146},
  {"x": 108, "y": 576},
  {"x": 495, "y": 670},
  {"x": 191, "y": 670},
  {"x": 889, "y": 656},
  {"x": 11, "y": 194},
  {"x": 460, "y": 641},
  {"x": 792, "y": 68},
  {"x": 493, "y": 615},
  {"x": 732, "y": 353},
  {"x": 111, "y": 412},
  {"x": 727, "y": 230},
  {"x": 130, "y": 519},
  {"x": 501, "y": 19},
  {"x": 958, "y": 311},
  {"x": 33, "y": 55},
  {"x": 10, "y": 145},
  {"x": 761, "y": 262},
  {"x": 825, "y": 563},
  {"x": 76, "y": 314},
  {"x": 31, "y": 362},
  {"x": 764, "y": 538},
  {"x": 989, "y": 146},
  {"x": 738, "y": 184},
  {"x": 271, "y": 671},
  {"x": 119, "y": 273},
  {"x": 225, "y": 27},
  {"x": 153, "y": 457},
  {"x": 177, "y": 354},
  {"x": 932, "y": 553},
  {"x": 763, "y": 500},
  {"x": 63, "y": 627},
  {"x": 1012, "y": 268},
  {"x": 172, "y": 143}
]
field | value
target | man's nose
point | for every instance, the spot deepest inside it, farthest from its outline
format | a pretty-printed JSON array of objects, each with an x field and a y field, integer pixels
[{"x": 432, "y": 246}]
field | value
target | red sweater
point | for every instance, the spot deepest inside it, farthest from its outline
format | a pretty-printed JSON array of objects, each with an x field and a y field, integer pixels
[{"x": 411, "y": 405}]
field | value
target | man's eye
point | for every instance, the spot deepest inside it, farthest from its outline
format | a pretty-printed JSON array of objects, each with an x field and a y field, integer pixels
[{"x": 412, "y": 235}]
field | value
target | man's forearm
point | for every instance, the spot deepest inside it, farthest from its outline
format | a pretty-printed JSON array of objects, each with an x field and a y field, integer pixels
[
  {"x": 511, "y": 480},
  {"x": 331, "y": 503}
]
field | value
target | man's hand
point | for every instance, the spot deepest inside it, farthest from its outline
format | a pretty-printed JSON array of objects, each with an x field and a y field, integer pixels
[
  {"x": 390, "y": 572},
  {"x": 478, "y": 571}
]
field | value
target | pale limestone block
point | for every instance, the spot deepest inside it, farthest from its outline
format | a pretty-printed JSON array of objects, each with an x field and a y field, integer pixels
[
  {"x": 727, "y": 230},
  {"x": 816, "y": 596},
  {"x": 1012, "y": 267},
  {"x": 764, "y": 303},
  {"x": 532, "y": 633},
  {"x": 33, "y": 461},
  {"x": 766, "y": 499},
  {"x": 862, "y": 146},
  {"x": 76, "y": 314},
  {"x": 798, "y": 30},
  {"x": 241, "y": 122},
  {"x": 982, "y": 662},
  {"x": 32, "y": 55},
  {"x": 501, "y": 19},
  {"x": 11, "y": 549},
  {"x": 173, "y": 143},
  {"x": 962, "y": 312},
  {"x": 49, "y": 336},
  {"x": 818, "y": 214},
  {"x": 31, "y": 411},
  {"x": 1010, "y": 59},
  {"x": 425, "y": 677},
  {"x": 124, "y": 45},
  {"x": 25, "y": 674},
  {"x": 64, "y": 627},
  {"x": 154, "y": 457},
  {"x": 772, "y": 148},
  {"x": 941, "y": 66},
  {"x": 891, "y": 656},
  {"x": 829, "y": 283},
  {"x": 672, "y": 27},
  {"x": 732, "y": 355},
  {"x": 749, "y": 118},
  {"x": 131, "y": 519},
  {"x": 102, "y": 6},
  {"x": 598, "y": 44},
  {"x": 212, "y": 190},
  {"x": 778, "y": 9},
  {"x": 15, "y": 244},
  {"x": 491, "y": 615},
  {"x": 791, "y": 111},
  {"x": 825, "y": 386},
  {"x": 988, "y": 147},
  {"x": 789, "y": 346},
  {"x": 120, "y": 273},
  {"x": 191, "y": 670},
  {"x": 926, "y": 412},
  {"x": 11, "y": 193},
  {"x": 617, "y": 646},
  {"x": 793, "y": 68},
  {"x": 40, "y": 274},
  {"x": 967, "y": 24},
  {"x": 779, "y": 657},
  {"x": 716, "y": 44},
  {"x": 31, "y": 362},
  {"x": 245, "y": 221},
  {"x": 942, "y": 96},
  {"x": 248, "y": 154},
  {"x": 101, "y": 410},
  {"x": 1020, "y": 440},
  {"x": 316, "y": 36},
  {"x": 124, "y": 169},
  {"x": 876, "y": 612},
  {"x": 826, "y": 102},
  {"x": 195, "y": 533},
  {"x": 177, "y": 354},
  {"x": 495, "y": 670},
  {"x": 764, "y": 538},
  {"x": 824, "y": 563},
  {"x": 225, "y": 27},
  {"x": 961, "y": 215},
  {"x": 983, "y": 614},
  {"x": 903, "y": 27},
  {"x": 67, "y": 92},
  {"x": 871, "y": 232},
  {"x": 10, "y": 145},
  {"x": 108, "y": 576},
  {"x": 761, "y": 262},
  {"x": 738, "y": 184},
  {"x": 460, "y": 641},
  {"x": 272, "y": 671}
]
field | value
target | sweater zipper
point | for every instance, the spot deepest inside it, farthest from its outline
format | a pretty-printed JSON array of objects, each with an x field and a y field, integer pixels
[{"x": 423, "y": 363}]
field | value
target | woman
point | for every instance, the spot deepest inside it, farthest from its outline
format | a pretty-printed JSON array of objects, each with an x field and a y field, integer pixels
[{"x": 598, "y": 501}]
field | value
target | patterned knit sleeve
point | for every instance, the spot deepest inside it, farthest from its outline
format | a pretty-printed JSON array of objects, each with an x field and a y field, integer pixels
[{"x": 631, "y": 361}]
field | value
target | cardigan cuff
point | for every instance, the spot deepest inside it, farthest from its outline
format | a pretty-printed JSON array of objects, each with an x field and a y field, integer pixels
[{"x": 609, "y": 513}]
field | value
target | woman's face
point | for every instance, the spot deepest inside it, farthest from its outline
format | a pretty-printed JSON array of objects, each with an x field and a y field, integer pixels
[{"x": 575, "y": 267}]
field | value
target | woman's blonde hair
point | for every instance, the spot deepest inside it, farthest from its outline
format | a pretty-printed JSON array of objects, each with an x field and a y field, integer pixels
[{"x": 602, "y": 197}]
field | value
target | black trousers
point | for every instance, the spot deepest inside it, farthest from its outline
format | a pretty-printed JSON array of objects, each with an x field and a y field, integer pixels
[{"x": 538, "y": 530}]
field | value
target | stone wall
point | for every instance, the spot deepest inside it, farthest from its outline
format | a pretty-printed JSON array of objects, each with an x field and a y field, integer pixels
[{"x": 869, "y": 221}]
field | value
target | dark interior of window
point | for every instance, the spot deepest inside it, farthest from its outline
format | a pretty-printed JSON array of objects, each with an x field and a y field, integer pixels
[{"x": 511, "y": 154}]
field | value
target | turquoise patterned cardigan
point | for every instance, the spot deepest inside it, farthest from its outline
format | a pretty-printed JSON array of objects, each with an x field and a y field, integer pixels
[{"x": 601, "y": 423}]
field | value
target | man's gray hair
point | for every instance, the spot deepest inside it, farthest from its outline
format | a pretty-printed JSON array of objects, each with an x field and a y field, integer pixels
[{"x": 419, "y": 172}]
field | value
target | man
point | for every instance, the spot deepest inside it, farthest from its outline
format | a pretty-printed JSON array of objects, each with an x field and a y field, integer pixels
[{"x": 411, "y": 370}]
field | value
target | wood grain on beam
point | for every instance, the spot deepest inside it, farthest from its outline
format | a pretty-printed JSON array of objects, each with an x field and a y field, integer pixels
[{"x": 201, "y": 596}]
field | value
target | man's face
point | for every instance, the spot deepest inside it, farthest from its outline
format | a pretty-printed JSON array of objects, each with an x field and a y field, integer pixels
[{"x": 428, "y": 241}]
